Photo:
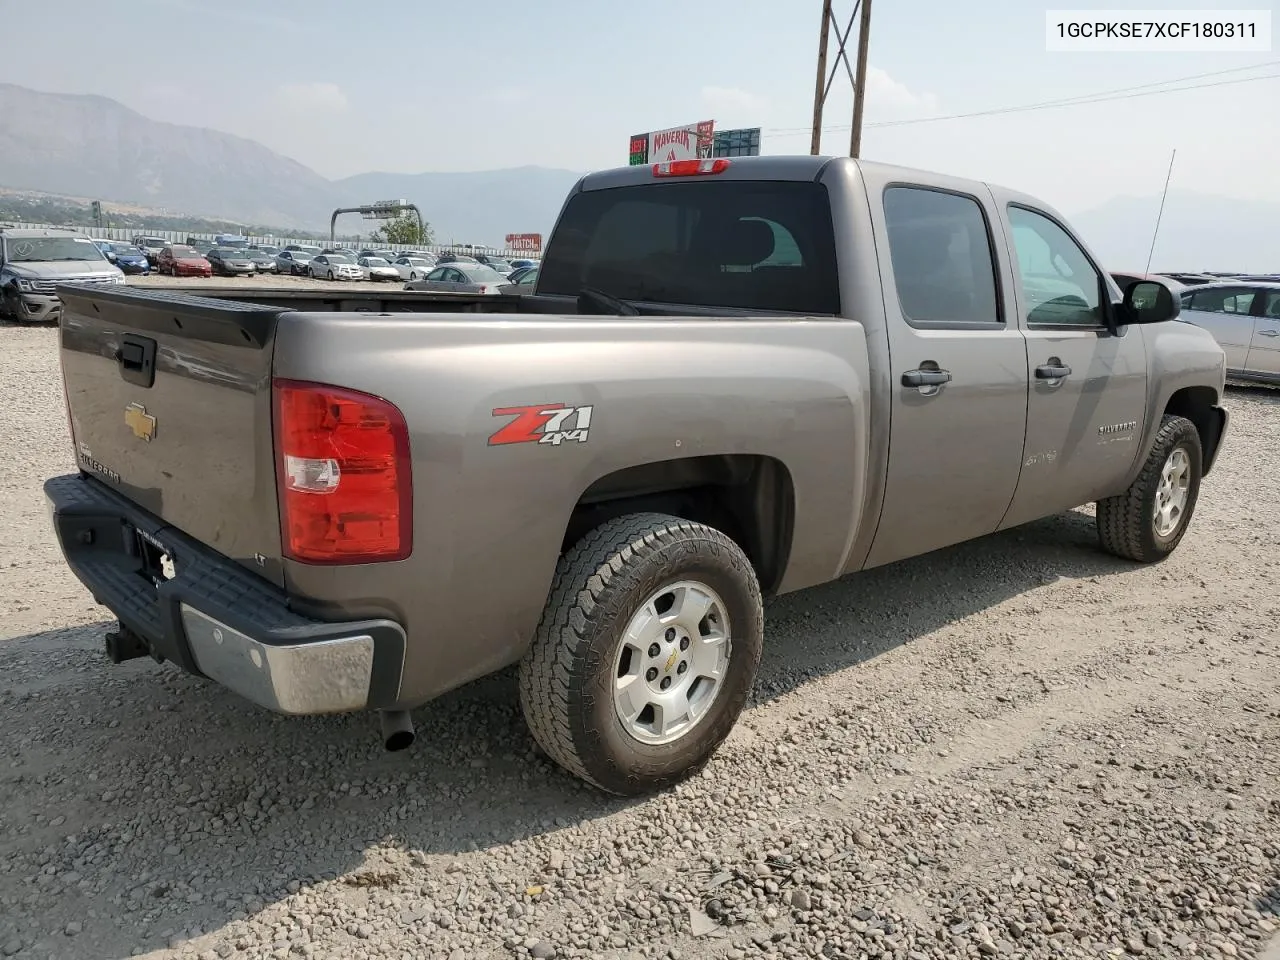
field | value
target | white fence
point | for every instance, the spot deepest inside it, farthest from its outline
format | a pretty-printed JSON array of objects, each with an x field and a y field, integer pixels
[{"x": 126, "y": 235}]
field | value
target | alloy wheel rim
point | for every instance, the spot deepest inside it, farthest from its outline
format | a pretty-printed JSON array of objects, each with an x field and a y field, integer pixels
[{"x": 672, "y": 662}]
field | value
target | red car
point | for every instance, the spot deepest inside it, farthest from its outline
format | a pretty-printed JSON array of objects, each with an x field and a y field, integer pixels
[{"x": 180, "y": 260}]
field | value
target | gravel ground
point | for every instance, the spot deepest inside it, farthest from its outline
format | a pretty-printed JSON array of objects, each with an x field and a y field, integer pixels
[{"x": 1016, "y": 747}]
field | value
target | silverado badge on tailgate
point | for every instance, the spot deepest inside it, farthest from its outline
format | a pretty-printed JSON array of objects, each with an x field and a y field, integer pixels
[{"x": 140, "y": 422}]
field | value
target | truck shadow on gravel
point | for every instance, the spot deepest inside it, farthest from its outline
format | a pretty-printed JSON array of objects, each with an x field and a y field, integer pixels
[{"x": 178, "y": 779}]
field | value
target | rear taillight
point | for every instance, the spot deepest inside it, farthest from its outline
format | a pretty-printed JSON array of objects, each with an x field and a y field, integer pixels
[
  {"x": 343, "y": 473},
  {"x": 690, "y": 168}
]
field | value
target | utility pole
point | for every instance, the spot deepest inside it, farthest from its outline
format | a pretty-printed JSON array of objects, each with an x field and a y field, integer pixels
[{"x": 857, "y": 79}]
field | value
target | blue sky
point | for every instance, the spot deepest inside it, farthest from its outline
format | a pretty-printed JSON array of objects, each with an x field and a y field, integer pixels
[{"x": 348, "y": 87}]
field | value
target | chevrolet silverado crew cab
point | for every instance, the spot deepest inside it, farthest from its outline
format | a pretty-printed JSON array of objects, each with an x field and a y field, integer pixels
[{"x": 735, "y": 378}]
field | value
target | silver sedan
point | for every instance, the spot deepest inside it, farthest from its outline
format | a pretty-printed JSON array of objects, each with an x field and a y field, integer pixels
[
  {"x": 1244, "y": 317},
  {"x": 461, "y": 278},
  {"x": 376, "y": 268}
]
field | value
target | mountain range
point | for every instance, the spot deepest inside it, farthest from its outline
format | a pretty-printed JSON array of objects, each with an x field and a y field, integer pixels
[{"x": 91, "y": 146}]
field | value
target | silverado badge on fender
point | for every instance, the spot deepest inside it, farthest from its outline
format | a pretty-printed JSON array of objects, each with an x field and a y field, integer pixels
[{"x": 140, "y": 422}]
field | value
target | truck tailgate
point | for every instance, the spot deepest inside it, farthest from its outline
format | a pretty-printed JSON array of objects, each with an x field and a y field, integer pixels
[{"x": 170, "y": 405}]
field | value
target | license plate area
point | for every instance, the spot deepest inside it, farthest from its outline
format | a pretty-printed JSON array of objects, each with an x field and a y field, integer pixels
[{"x": 157, "y": 563}]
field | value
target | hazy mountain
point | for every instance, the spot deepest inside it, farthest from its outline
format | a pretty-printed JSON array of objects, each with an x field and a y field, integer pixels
[
  {"x": 1197, "y": 232},
  {"x": 92, "y": 146}
]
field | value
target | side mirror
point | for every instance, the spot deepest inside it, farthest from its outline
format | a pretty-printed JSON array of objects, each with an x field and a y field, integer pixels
[{"x": 1146, "y": 301}]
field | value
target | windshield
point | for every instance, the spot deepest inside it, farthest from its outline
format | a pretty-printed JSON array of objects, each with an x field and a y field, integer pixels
[
  {"x": 125, "y": 250},
  {"x": 500, "y": 265},
  {"x": 256, "y": 255},
  {"x": 185, "y": 253},
  {"x": 50, "y": 249},
  {"x": 227, "y": 253},
  {"x": 417, "y": 261},
  {"x": 479, "y": 272},
  {"x": 300, "y": 255},
  {"x": 338, "y": 258},
  {"x": 376, "y": 262},
  {"x": 751, "y": 245},
  {"x": 150, "y": 242},
  {"x": 237, "y": 244}
]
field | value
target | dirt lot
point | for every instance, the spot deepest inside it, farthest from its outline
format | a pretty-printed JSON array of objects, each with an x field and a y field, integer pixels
[{"x": 1016, "y": 747}]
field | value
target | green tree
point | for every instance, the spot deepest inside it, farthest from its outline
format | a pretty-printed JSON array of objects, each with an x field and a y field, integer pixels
[{"x": 403, "y": 229}]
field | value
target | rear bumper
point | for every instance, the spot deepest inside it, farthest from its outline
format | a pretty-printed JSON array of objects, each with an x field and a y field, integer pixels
[{"x": 214, "y": 617}]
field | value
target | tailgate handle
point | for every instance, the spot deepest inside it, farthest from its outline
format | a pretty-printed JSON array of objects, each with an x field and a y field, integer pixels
[{"x": 137, "y": 358}]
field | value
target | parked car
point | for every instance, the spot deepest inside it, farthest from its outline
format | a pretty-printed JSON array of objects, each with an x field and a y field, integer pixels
[
  {"x": 539, "y": 484},
  {"x": 517, "y": 275},
  {"x": 231, "y": 262},
  {"x": 1189, "y": 279},
  {"x": 105, "y": 247},
  {"x": 34, "y": 261},
  {"x": 1244, "y": 317},
  {"x": 293, "y": 262},
  {"x": 387, "y": 255},
  {"x": 263, "y": 262},
  {"x": 203, "y": 247},
  {"x": 521, "y": 264},
  {"x": 455, "y": 258},
  {"x": 151, "y": 246},
  {"x": 412, "y": 268},
  {"x": 129, "y": 259},
  {"x": 500, "y": 264},
  {"x": 375, "y": 268},
  {"x": 522, "y": 281},
  {"x": 304, "y": 248},
  {"x": 334, "y": 266},
  {"x": 270, "y": 250},
  {"x": 180, "y": 260},
  {"x": 460, "y": 278}
]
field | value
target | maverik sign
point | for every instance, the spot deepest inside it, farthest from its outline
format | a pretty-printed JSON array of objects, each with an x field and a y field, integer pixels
[{"x": 689, "y": 142}]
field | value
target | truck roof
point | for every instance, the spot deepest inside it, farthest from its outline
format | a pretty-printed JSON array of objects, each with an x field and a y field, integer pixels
[{"x": 796, "y": 167}]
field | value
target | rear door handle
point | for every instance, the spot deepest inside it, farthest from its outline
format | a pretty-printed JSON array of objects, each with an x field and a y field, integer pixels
[
  {"x": 926, "y": 378},
  {"x": 1050, "y": 371},
  {"x": 1269, "y": 333}
]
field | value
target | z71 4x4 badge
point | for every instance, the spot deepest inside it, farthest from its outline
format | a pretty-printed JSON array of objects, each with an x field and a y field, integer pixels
[{"x": 552, "y": 423}]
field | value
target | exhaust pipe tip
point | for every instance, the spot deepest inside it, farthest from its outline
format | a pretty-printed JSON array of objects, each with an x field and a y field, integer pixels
[{"x": 397, "y": 730}]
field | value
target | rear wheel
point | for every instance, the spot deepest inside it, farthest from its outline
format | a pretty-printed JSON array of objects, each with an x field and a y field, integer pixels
[
  {"x": 646, "y": 653},
  {"x": 1147, "y": 522}
]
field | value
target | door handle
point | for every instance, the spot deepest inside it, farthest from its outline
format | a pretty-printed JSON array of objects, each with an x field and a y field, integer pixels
[
  {"x": 926, "y": 378},
  {"x": 1269, "y": 333},
  {"x": 1052, "y": 371}
]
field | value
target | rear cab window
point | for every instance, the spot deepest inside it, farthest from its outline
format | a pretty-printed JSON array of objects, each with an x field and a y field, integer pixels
[{"x": 744, "y": 244}]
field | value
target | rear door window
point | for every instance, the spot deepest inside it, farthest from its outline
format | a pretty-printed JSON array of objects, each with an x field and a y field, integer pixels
[{"x": 753, "y": 245}]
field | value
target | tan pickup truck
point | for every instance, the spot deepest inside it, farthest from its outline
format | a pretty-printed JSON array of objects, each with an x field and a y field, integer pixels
[{"x": 734, "y": 378}]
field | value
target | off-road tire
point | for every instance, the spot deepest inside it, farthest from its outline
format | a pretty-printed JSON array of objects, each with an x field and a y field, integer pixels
[
  {"x": 1126, "y": 523},
  {"x": 566, "y": 676}
]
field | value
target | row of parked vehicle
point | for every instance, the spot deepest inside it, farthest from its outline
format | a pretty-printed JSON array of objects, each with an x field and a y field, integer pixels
[{"x": 237, "y": 257}]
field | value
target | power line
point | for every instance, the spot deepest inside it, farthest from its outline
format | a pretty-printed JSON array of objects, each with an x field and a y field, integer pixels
[{"x": 1124, "y": 93}]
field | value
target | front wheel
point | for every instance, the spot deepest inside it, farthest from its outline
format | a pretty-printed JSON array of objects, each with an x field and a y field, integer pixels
[
  {"x": 646, "y": 653},
  {"x": 1147, "y": 522}
]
